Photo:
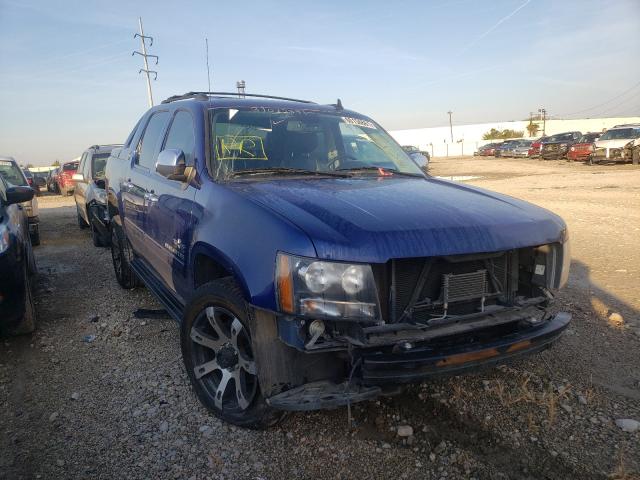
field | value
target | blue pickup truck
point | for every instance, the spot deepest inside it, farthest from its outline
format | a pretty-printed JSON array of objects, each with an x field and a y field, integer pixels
[{"x": 312, "y": 264}]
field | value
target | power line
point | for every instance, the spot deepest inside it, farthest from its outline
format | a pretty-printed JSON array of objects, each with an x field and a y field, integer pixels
[
  {"x": 144, "y": 56},
  {"x": 601, "y": 104}
]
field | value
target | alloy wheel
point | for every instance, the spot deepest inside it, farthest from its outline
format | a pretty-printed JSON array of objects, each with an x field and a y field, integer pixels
[{"x": 223, "y": 360}]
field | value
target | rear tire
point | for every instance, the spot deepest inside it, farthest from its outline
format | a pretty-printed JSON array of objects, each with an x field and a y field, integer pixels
[
  {"x": 216, "y": 350},
  {"x": 122, "y": 255},
  {"x": 35, "y": 236},
  {"x": 28, "y": 322}
]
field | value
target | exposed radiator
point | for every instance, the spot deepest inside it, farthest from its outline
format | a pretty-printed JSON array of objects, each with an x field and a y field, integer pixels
[{"x": 464, "y": 286}]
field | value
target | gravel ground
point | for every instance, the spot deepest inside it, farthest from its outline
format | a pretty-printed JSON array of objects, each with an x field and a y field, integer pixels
[{"x": 99, "y": 393}]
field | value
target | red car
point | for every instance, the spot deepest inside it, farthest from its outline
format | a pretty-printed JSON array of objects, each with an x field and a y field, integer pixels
[
  {"x": 64, "y": 183},
  {"x": 488, "y": 150},
  {"x": 534, "y": 151},
  {"x": 580, "y": 151}
]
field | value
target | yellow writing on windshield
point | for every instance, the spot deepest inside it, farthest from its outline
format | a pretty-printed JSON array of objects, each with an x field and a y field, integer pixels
[{"x": 244, "y": 147}]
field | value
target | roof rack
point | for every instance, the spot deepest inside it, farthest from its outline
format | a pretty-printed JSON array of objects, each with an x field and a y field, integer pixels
[
  {"x": 228, "y": 94},
  {"x": 106, "y": 145}
]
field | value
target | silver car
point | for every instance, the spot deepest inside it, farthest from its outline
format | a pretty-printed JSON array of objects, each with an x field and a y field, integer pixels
[{"x": 90, "y": 195}]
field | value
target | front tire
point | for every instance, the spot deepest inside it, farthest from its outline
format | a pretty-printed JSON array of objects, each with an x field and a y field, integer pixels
[
  {"x": 122, "y": 255},
  {"x": 81, "y": 223},
  {"x": 218, "y": 357}
]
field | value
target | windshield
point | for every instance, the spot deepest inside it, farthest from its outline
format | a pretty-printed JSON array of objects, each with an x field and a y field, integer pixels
[
  {"x": 307, "y": 140},
  {"x": 11, "y": 173},
  {"x": 621, "y": 134},
  {"x": 588, "y": 138},
  {"x": 68, "y": 167},
  {"x": 560, "y": 137},
  {"x": 99, "y": 161}
]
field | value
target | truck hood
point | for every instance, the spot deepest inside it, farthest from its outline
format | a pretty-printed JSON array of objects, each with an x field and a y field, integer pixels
[
  {"x": 376, "y": 219},
  {"x": 613, "y": 143}
]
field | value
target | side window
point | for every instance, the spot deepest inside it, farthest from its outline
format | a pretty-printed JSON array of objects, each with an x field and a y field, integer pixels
[
  {"x": 86, "y": 168},
  {"x": 127, "y": 143},
  {"x": 82, "y": 162},
  {"x": 181, "y": 135},
  {"x": 147, "y": 148}
]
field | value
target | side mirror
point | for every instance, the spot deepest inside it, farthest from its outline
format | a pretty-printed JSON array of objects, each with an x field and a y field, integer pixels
[
  {"x": 171, "y": 164},
  {"x": 19, "y": 194},
  {"x": 77, "y": 177}
]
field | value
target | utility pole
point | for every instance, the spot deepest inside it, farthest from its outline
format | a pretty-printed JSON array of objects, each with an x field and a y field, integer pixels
[
  {"x": 543, "y": 112},
  {"x": 241, "y": 86},
  {"x": 450, "y": 124},
  {"x": 145, "y": 55}
]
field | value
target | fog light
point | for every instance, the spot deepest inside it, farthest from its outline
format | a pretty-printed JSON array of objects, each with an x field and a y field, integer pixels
[{"x": 316, "y": 328}]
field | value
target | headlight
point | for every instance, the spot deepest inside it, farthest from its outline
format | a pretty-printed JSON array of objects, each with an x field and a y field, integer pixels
[
  {"x": 4, "y": 238},
  {"x": 552, "y": 263},
  {"x": 317, "y": 288},
  {"x": 566, "y": 260},
  {"x": 101, "y": 196}
]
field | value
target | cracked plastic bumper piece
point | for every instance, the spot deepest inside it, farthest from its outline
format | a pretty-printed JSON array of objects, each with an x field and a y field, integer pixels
[{"x": 383, "y": 367}]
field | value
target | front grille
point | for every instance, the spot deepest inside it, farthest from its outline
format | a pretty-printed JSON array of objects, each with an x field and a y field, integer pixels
[{"x": 426, "y": 288}]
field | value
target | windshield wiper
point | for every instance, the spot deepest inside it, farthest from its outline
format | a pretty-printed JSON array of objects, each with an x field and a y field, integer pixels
[
  {"x": 381, "y": 170},
  {"x": 284, "y": 171}
]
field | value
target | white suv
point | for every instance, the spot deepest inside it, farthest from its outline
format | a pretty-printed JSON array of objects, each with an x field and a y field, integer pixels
[{"x": 620, "y": 143}]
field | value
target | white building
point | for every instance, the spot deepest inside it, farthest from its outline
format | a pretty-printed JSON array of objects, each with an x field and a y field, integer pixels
[{"x": 467, "y": 138}]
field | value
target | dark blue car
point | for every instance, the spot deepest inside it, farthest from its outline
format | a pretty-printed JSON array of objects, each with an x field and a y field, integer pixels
[
  {"x": 17, "y": 262},
  {"x": 312, "y": 264}
]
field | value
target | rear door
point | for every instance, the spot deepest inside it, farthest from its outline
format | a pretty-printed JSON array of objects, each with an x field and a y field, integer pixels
[
  {"x": 169, "y": 209},
  {"x": 138, "y": 185},
  {"x": 80, "y": 187}
]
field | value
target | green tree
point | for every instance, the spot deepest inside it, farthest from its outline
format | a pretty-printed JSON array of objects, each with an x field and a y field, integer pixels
[
  {"x": 533, "y": 128},
  {"x": 56, "y": 163},
  {"x": 494, "y": 134},
  {"x": 28, "y": 166}
]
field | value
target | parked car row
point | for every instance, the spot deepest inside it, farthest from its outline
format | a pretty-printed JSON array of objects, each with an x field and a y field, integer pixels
[{"x": 619, "y": 143}]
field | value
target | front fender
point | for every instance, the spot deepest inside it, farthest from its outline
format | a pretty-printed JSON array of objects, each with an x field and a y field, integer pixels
[{"x": 245, "y": 238}]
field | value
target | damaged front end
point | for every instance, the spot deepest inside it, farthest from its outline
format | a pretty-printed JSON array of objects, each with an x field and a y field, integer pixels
[{"x": 429, "y": 316}]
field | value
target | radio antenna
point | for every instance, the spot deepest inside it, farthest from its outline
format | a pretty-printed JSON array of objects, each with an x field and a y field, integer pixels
[{"x": 206, "y": 42}]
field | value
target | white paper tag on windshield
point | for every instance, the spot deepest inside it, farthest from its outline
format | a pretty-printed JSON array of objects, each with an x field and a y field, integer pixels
[
  {"x": 359, "y": 122},
  {"x": 539, "y": 269}
]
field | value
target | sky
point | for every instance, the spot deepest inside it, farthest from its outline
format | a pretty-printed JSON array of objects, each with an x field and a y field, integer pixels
[{"x": 68, "y": 79}]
